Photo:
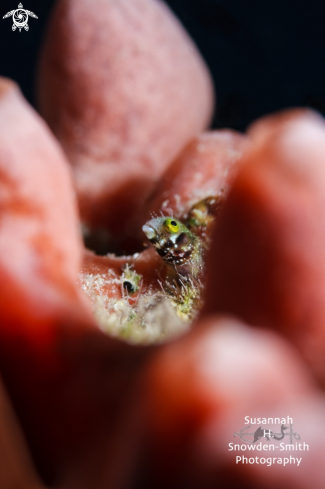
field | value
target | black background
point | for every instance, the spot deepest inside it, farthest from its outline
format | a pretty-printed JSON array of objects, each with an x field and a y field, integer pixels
[{"x": 264, "y": 55}]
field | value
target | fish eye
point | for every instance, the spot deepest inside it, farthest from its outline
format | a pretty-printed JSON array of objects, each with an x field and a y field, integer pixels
[{"x": 171, "y": 225}]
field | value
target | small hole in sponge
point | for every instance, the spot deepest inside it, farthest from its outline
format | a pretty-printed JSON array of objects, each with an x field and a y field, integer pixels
[
  {"x": 102, "y": 242},
  {"x": 129, "y": 287}
]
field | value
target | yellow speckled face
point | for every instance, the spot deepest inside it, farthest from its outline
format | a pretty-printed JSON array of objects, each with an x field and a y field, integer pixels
[
  {"x": 175, "y": 243},
  {"x": 171, "y": 225}
]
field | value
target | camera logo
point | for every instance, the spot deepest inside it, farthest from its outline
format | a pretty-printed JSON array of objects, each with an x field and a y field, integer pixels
[{"x": 261, "y": 432}]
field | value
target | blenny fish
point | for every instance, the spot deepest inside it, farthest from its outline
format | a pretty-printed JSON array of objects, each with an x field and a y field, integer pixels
[{"x": 176, "y": 244}]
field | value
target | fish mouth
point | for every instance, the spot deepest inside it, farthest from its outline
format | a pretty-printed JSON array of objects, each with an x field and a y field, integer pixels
[{"x": 149, "y": 232}]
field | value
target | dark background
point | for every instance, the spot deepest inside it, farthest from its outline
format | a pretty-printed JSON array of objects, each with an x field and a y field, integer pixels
[{"x": 264, "y": 55}]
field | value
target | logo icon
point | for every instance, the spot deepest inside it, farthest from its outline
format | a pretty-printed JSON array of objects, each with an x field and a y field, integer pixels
[
  {"x": 20, "y": 18},
  {"x": 261, "y": 432}
]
